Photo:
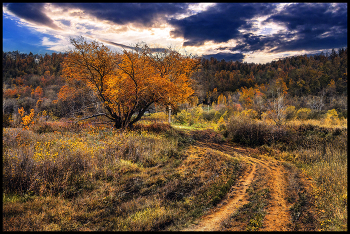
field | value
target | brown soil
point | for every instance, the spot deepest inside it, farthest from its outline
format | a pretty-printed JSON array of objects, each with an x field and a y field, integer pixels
[{"x": 278, "y": 216}]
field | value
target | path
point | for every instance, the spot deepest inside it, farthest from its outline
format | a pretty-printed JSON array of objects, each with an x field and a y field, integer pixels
[{"x": 277, "y": 218}]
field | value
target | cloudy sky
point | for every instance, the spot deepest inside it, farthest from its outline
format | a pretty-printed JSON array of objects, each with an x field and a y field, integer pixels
[{"x": 246, "y": 32}]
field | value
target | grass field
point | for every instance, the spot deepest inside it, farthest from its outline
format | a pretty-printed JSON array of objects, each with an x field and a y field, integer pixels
[
  {"x": 96, "y": 178},
  {"x": 67, "y": 177}
]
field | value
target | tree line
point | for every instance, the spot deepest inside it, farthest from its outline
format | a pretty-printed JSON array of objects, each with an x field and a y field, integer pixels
[
  {"x": 79, "y": 82},
  {"x": 304, "y": 75}
]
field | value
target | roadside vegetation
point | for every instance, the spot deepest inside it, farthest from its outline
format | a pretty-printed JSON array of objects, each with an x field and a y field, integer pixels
[
  {"x": 63, "y": 176},
  {"x": 317, "y": 147},
  {"x": 84, "y": 177}
]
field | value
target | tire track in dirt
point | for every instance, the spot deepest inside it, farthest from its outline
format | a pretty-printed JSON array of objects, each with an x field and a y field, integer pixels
[
  {"x": 277, "y": 218},
  {"x": 235, "y": 199}
]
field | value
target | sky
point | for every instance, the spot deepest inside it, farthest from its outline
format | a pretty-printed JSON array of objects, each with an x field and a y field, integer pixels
[{"x": 245, "y": 32}]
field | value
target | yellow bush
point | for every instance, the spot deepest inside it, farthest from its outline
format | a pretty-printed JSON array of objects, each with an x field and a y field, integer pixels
[
  {"x": 332, "y": 117},
  {"x": 290, "y": 112},
  {"x": 250, "y": 113},
  {"x": 303, "y": 113}
]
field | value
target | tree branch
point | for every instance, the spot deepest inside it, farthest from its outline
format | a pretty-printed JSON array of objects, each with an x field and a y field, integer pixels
[{"x": 92, "y": 116}]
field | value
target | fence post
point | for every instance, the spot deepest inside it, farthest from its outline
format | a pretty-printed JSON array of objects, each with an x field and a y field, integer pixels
[{"x": 169, "y": 114}]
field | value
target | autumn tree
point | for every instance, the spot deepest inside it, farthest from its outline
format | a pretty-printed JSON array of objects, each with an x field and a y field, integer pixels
[{"x": 128, "y": 83}]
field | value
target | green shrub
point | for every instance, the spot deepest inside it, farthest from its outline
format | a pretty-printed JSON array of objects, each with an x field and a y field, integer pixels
[
  {"x": 183, "y": 117},
  {"x": 209, "y": 115}
]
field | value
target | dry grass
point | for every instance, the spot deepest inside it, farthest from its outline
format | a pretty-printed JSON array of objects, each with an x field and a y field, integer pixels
[
  {"x": 250, "y": 217},
  {"x": 316, "y": 147},
  {"x": 64, "y": 176},
  {"x": 80, "y": 177}
]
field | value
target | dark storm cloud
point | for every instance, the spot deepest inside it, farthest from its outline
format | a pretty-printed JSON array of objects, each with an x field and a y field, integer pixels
[
  {"x": 306, "y": 15},
  {"x": 145, "y": 14},
  {"x": 312, "y": 26},
  {"x": 309, "y": 27},
  {"x": 316, "y": 26},
  {"x": 31, "y": 12},
  {"x": 251, "y": 42},
  {"x": 219, "y": 23},
  {"x": 226, "y": 56}
]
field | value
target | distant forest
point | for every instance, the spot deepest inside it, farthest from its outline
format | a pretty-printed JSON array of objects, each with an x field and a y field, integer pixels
[{"x": 35, "y": 80}]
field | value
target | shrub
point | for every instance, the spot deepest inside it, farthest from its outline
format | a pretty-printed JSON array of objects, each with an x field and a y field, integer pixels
[
  {"x": 42, "y": 128},
  {"x": 191, "y": 116},
  {"x": 6, "y": 120},
  {"x": 209, "y": 115},
  {"x": 303, "y": 113},
  {"x": 249, "y": 113},
  {"x": 290, "y": 112},
  {"x": 183, "y": 117},
  {"x": 332, "y": 117},
  {"x": 208, "y": 135},
  {"x": 247, "y": 131},
  {"x": 255, "y": 133}
]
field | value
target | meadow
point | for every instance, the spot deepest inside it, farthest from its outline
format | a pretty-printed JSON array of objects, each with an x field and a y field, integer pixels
[
  {"x": 60, "y": 176},
  {"x": 86, "y": 177}
]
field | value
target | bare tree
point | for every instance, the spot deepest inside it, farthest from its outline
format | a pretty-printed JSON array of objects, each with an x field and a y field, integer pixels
[
  {"x": 316, "y": 102},
  {"x": 277, "y": 108}
]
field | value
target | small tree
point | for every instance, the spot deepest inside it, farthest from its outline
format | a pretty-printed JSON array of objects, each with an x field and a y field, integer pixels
[
  {"x": 128, "y": 84},
  {"x": 278, "y": 113}
]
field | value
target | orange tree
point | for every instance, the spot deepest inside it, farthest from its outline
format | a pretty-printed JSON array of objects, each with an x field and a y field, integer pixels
[{"x": 128, "y": 83}]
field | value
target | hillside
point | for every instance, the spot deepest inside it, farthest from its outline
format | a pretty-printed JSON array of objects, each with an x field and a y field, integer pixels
[{"x": 257, "y": 147}]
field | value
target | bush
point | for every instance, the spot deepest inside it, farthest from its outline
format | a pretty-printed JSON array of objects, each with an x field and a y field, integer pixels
[
  {"x": 208, "y": 135},
  {"x": 331, "y": 117},
  {"x": 192, "y": 116},
  {"x": 249, "y": 113},
  {"x": 42, "y": 128},
  {"x": 303, "y": 113},
  {"x": 255, "y": 133},
  {"x": 6, "y": 120},
  {"x": 209, "y": 116},
  {"x": 290, "y": 112},
  {"x": 183, "y": 117},
  {"x": 247, "y": 131}
]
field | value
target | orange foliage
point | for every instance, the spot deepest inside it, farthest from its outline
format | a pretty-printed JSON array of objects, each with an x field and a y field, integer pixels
[
  {"x": 281, "y": 86},
  {"x": 38, "y": 92},
  {"x": 26, "y": 119},
  {"x": 10, "y": 93},
  {"x": 130, "y": 82},
  {"x": 66, "y": 93},
  {"x": 248, "y": 96}
]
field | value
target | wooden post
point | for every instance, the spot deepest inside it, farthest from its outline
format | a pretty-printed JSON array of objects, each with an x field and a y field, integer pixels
[{"x": 169, "y": 114}]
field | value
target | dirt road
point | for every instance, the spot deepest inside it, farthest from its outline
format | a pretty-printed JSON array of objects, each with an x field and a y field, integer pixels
[{"x": 277, "y": 212}]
